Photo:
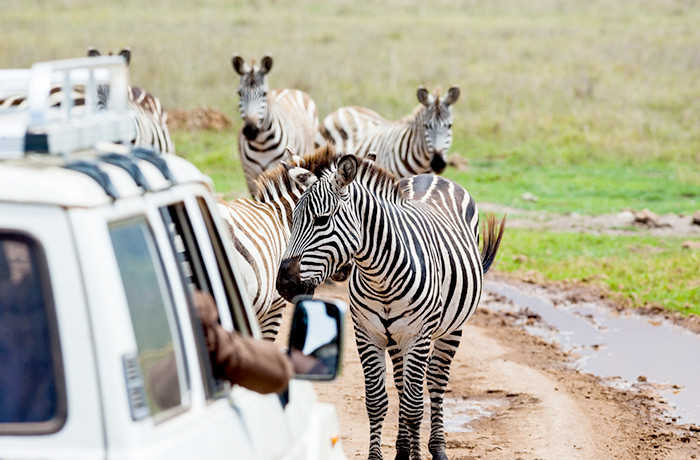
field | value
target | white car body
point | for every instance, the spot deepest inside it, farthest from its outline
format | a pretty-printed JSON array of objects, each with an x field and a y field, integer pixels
[{"x": 69, "y": 230}]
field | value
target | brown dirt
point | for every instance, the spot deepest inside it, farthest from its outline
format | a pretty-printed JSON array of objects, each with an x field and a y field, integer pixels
[
  {"x": 538, "y": 406},
  {"x": 200, "y": 118},
  {"x": 625, "y": 222}
]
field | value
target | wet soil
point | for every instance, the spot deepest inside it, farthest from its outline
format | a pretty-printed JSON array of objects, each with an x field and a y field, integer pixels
[{"x": 513, "y": 396}]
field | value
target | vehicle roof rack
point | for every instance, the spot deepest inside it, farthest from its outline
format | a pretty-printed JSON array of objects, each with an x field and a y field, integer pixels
[{"x": 39, "y": 127}]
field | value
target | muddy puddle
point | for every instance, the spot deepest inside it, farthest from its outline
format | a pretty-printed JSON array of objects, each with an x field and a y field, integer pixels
[{"x": 624, "y": 349}]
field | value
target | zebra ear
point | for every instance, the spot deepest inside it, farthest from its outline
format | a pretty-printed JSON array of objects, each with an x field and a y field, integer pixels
[
  {"x": 239, "y": 65},
  {"x": 289, "y": 157},
  {"x": 347, "y": 170},
  {"x": 423, "y": 96},
  {"x": 300, "y": 175},
  {"x": 452, "y": 95},
  {"x": 92, "y": 52},
  {"x": 126, "y": 54},
  {"x": 265, "y": 64}
]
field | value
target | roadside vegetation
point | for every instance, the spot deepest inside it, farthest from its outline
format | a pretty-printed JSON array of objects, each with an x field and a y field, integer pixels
[{"x": 591, "y": 107}]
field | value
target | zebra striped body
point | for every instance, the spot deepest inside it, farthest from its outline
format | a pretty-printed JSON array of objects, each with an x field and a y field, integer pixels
[
  {"x": 150, "y": 121},
  {"x": 417, "y": 278},
  {"x": 272, "y": 121},
  {"x": 260, "y": 230},
  {"x": 416, "y": 144}
]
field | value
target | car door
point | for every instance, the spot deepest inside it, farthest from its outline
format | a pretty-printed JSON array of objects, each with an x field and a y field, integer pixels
[{"x": 49, "y": 394}]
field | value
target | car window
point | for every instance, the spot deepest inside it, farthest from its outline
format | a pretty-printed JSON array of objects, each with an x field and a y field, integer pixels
[
  {"x": 154, "y": 321},
  {"x": 31, "y": 380},
  {"x": 235, "y": 300},
  {"x": 193, "y": 271}
]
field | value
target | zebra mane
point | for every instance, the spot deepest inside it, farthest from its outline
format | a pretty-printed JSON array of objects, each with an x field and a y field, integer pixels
[
  {"x": 369, "y": 174},
  {"x": 379, "y": 180},
  {"x": 275, "y": 182}
]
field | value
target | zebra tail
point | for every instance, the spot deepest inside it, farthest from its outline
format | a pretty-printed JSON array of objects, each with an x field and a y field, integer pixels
[{"x": 492, "y": 240}]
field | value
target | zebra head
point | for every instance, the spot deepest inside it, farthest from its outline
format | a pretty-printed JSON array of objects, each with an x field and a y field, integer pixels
[
  {"x": 437, "y": 124},
  {"x": 103, "y": 90},
  {"x": 325, "y": 229},
  {"x": 252, "y": 92}
]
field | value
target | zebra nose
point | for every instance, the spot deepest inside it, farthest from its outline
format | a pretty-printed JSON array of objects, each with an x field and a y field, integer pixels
[
  {"x": 250, "y": 130},
  {"x": 288, "y": 278},
  {"x": 289, "y": 282},
  {"x": 437, "y": 163}
]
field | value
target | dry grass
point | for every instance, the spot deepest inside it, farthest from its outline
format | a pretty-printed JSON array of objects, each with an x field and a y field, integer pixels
[{"x": 614, "y": 78}]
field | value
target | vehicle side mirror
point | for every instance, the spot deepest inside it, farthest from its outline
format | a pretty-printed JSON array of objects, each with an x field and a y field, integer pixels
[{"x": 316, "y": 338}]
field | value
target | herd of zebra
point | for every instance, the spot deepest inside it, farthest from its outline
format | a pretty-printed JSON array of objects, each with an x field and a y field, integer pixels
[
  {"x": 358, "y": 196},
  {"x": 355, "y": 197}
]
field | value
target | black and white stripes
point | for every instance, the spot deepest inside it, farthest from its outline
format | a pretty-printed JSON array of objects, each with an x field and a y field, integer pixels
[
  {"x": 260, "y": 230},
  {"x": 417, "y": 278},
  {"x": 150, "y": 120},
  {"x": 416, "y": 144},
  {"x": 272, "y": 120}
]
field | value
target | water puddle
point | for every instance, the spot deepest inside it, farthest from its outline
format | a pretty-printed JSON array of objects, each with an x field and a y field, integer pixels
[
  {"x": 627, "y": 346},
  {"x": 459, "y": 413}
]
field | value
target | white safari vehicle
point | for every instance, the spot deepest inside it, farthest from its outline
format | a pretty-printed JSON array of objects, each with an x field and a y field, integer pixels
[{"x": 101, "y": 249}]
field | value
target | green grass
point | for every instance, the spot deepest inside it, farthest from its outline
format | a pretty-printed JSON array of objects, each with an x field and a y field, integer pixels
[
  {"x": 600, "y": 188},
  {"x": 216, "y": 155},
  {"x": 635, "y": 269},
  {"x": 591, "y": 106}
]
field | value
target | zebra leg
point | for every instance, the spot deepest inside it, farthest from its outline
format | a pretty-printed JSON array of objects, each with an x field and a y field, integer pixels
[
  {"x": 411, "y": 402},
  {"x": 271, "y": 320},
  {"x": 403, "y": 446},
  {"x": 437, "y": 376},
  {"x": 376, "y": 399}
]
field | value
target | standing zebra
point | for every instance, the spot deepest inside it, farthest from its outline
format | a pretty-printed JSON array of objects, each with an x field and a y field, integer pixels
[
  {"x": 415, "y": 144},
  {"x": 260, "y": 230},
  {"x": 272, "y": 121},
  {"x": 150, "y": 120},
  {"x": 417, "y": 278}
]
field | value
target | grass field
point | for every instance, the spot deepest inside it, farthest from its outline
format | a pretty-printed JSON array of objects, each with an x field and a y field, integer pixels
[{"x": 591, "y": 106}]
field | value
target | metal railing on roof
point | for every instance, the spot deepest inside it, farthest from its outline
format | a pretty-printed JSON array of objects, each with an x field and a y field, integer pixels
[{"x": 37, "y": 126}]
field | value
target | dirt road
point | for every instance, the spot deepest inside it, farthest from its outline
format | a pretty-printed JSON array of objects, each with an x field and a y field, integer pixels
[{"x": 512, "y": 396}]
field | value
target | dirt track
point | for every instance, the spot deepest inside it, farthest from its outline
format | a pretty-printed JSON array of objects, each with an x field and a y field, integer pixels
[{"x": 537, "y": 406}]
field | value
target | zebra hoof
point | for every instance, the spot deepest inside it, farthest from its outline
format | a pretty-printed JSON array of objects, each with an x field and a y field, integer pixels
[
  {"x": 402, "y": 455},
  {"x": 440, "y": 456}
]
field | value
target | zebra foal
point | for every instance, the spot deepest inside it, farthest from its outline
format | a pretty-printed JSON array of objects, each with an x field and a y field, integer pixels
[
  {"x": 272, "y": 120},
  {"x": 260, "y": 230},
  {"x": 417, "y": 278},
  {"x": 415, "y": 144}
]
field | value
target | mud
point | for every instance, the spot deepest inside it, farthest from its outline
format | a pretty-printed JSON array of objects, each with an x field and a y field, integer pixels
[{"x": 514, "y": 395}]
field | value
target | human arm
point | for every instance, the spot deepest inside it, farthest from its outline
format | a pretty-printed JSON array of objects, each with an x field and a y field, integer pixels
[{"x": 252, "y": 363}]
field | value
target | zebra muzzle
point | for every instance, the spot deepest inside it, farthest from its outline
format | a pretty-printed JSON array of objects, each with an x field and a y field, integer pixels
[
  {"x": 289, "y": 282},
  {"x": 438, "y": 163},
  {"x": 250, "y": 130}
]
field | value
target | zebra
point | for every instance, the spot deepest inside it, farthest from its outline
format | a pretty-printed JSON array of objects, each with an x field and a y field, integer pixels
[
  {"x": 150, "y": 120},
  {"x": 272, "y": 120},
  {"x": 415, "y": 144},
  {"x": 260, "y": 228},
  {"x": 417, "y": 278}
]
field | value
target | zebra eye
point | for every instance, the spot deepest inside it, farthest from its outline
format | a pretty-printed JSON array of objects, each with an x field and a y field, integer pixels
[
  {"x": 264, "y": 93},
  {"x": 449, "y": 126},
  {"x": 320, "y": 221}
]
